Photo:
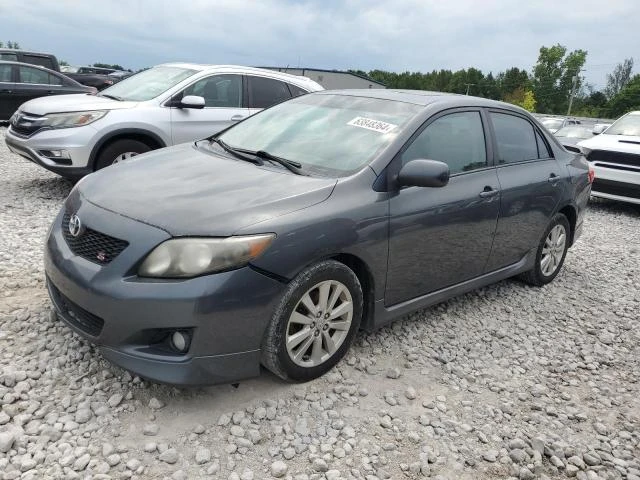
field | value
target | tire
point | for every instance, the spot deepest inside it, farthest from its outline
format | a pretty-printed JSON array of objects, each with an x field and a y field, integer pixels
[
  {"x": 112, "y": 151},
  {"x": 541, "y": 274},
  {"x": 292, "y": 318}
]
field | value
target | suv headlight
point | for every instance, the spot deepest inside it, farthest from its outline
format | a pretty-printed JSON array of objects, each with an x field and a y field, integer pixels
[
  {"x": 71, "y": 119},
  {"x": 190, "y": 257}
]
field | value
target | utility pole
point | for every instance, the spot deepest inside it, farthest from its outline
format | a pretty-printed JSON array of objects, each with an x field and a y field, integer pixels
[
  {"x": 574, "y": 83},
  {"x": 468, "y": 85}
]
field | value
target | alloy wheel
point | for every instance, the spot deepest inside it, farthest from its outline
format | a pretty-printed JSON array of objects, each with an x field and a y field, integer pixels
[
  {"x": 553, "y": 250},
  {"x": 319, "y": 323},
  {"x": 124, "y": 156}
]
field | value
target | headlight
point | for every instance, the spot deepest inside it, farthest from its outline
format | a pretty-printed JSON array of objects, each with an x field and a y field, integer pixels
[
  {"x": 72, "y": 119},
  {"x": 190, "y": 257}
]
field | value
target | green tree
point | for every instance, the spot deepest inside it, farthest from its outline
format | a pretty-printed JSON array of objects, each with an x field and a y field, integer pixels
[
  {"x": 10, "y": 44},
  {"x": 553, "y": 77},
  {"x": 626, "y": 100},
  {"x": 619, "y": 78},
  {"x": 106, "y": 65}
]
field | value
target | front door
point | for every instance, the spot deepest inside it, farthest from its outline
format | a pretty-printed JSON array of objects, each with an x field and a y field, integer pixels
[
  {"x": 531, "y": 185},
  {"x": 8, "y": 102},
  {"x": 224, "y": 106},
  {"x": 442, "y": 236}
]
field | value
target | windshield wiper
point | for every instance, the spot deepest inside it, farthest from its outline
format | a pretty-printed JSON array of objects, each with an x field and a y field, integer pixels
[
  {"x": 112, "y": 97},
  {"x": 290, "y": 165},
  {"x": 238, "y": 153}
]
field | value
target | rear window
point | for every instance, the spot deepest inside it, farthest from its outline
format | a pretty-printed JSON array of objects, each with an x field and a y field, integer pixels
[
  {"x": 264, "y": 92},
  {"x": 515, "y": 137},
  {"x": 5, "y": 73},
  {"x": 38, "y": 60}
]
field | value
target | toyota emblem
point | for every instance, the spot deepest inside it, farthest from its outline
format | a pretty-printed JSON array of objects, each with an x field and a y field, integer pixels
[{"x": 75, "y": 225}]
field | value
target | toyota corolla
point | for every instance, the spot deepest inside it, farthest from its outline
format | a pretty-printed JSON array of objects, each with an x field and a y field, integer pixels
[{"x": 273, "y": 242}]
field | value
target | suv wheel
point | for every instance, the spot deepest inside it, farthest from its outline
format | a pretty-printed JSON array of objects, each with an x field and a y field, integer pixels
[
  {"x": 120, "y": 150},
  {"x": 315, "y": 322},
  {"x": 551, "y": 252}
]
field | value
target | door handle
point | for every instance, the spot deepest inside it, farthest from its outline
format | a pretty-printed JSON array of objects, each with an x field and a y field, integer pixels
[
  {"x": 237, "y": 118},
  {"x": 6, "y": 91},
  {"x": 553, "y": 179},
  {"x": 50, "y": 92},
  {"x": 489, "y": 192}
]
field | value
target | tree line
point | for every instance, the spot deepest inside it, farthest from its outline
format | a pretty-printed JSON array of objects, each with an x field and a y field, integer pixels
[{"x": 548, "y": 88}]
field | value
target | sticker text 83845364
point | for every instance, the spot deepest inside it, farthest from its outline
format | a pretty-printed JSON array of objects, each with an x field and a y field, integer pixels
[{"x": 370, "y": 124}]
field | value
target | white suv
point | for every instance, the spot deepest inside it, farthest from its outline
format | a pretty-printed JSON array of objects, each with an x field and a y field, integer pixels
[
  {"x": 615, "y": 158},
  {"x": 73, "y": 135}
]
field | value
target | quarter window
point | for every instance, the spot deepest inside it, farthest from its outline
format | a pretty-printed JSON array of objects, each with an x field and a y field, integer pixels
[
  {"x": 515, "y": 137},
  {"x": 456, "y": 139},
  {"x": 5, "y": 73},
  {"x": 296, "y": 91},
  {"x": 33, "y": 75},
  {"x": 543, "y": 149},
  {"x": 265, "y": 92},
  {"x": 222, "y": 91}
]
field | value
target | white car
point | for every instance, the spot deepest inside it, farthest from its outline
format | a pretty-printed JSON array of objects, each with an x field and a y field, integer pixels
[
  {"x": 74, "y": 135},
  {"x": 615, "y": 158},
  {"x": 553, "y": 124}
]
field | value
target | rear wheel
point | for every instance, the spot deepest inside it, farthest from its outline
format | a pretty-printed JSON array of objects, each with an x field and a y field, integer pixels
[
  {"x": 119, "y": 151},
  {"x": 551, "y": 253},
  {"x": 315, "y": 322}
]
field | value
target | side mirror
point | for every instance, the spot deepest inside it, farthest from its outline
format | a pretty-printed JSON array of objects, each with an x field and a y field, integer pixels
[
  {"x": 424, "y": 173},
  {"x": 192, "y": 101},
  {"x": 572, "y": 148},
  {"x": 598, "y": 128}
]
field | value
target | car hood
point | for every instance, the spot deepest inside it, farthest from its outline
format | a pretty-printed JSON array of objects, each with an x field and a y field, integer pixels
[
  {"x": 72, "y": 103},
  {"x": 188, "y": 191},
  {"x": 616, "y": 143}
]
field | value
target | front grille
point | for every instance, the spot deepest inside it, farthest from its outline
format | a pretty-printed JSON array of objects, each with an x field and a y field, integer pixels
[
  {"x": 620, "y": 158},
  {"x": 92, "y": 245},
  {"x": 74, "y": 314},
  {"x": 25, "y": 124},
  {"x": 616, "y": 188}
]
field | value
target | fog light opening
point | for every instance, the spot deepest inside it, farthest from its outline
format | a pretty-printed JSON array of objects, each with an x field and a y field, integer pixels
[{"x": 180, "y": 341}]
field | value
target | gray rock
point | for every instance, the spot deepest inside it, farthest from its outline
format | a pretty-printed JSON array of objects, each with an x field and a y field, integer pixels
[
  {"x": 83, "y": 416},
  {"x": 410, "y": 393},
  {"x": 319, "y": 465},
  {"x": 394, "y": 373},
  {"x": 591, "y": 458},
  {"x": 490, "y": 456},
  {"x": 81, "y": 462},
  {"x": 6, "y": 440},
  {"x": 169, "y": 456},
  {"x": 155, "y": 404},
  {"x": 113, "y": 459},
  {"x": 203, "y": 455},
  {"x": 115, "y": 400},
  {"x": 278, "y": 469},
  {"x": 518, "y": 456}
]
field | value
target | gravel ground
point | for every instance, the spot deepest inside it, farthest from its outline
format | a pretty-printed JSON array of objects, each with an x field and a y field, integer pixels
[{"x": 507, "y": 381}]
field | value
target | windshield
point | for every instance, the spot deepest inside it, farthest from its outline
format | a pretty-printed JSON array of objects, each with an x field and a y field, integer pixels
[
  {"x": 627, "y": 125},
  {"x": 328, "y": 134},
  {"x": 574, "y": 132},
  {"x": 148, "y": 84},
  {"x": 553, "y": 123}
]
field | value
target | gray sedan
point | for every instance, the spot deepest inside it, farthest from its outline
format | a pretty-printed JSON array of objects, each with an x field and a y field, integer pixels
[{"x": 273, "y": 242}]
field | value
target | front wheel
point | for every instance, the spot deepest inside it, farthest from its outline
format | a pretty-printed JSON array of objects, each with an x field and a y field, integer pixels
[
  {"x": 119, "y": 151},
  {"x": 314, "y": 323},
  {"x": 551, "y": 252}
]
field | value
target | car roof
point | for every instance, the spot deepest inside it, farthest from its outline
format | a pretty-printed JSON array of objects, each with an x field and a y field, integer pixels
[
  {"x": 423, "y": 97},
  {"x": 205, "y": 67}
]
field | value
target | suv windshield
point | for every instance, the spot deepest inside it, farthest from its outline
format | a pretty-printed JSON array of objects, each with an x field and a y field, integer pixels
[
  {"x": 627, "y": 125},
  {"x": 326, "y": 134},
  {"x": 148, "y": 84}
]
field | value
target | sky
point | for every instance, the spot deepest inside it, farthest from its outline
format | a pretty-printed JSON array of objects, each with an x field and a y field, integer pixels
[{"x": 398, "y": 35}]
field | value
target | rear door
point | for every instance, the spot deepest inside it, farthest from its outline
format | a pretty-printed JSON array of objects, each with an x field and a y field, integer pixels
[
  {"x": 265, "y": 92},
  {"x": 225, "y": 104},
  {"x": 8, "y": 100},
  {"x": 530, "y": 183}
]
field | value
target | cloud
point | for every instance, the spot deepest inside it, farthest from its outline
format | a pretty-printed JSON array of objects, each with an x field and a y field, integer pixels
[{"x": 414, "y": 35}]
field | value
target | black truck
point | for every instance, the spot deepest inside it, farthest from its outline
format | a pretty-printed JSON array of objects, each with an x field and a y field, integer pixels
[{"x": 97, "y": 77}]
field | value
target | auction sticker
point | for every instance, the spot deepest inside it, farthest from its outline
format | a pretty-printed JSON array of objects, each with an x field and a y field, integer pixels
[{"x": 370, "y": 124}]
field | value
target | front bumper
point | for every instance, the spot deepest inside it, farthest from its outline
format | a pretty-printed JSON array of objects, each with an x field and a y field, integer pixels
[
  {"x": 76, "y": 141},
  {"x": 124, "y": 315},
  {"x": 616, "y": 182}
]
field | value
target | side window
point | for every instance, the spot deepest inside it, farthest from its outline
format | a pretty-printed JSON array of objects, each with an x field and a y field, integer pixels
[
  {"x": 296, "y": 91},
  {"x": 54, "y": 80},
  {"x": 264, "y": 92},
  {"x": 5, "y": 73},
  {"x": 33, "y": 75},
  {"x": 543, "y": 149},
  {"x": 221, "y": 91},
  {"x": 515, "y": 138},
  {"x": 9, "y": 56},
  {"x": 38, "y": 60},
  {"x": 456, "y": 139}
]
